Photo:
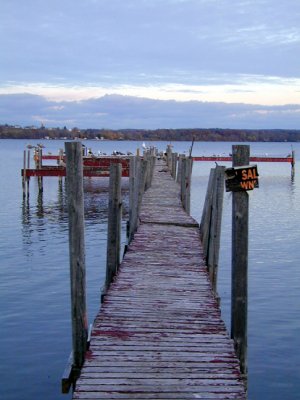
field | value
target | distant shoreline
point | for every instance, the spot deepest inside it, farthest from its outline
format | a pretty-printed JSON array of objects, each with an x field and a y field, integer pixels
[{"x": 197, "y": 134}]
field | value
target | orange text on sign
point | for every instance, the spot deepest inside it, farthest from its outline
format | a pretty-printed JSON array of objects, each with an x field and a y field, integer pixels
[{"x": 248, "y": 174}]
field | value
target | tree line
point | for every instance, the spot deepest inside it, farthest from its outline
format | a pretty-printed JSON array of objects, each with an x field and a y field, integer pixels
[{"x": 211, "y": 135}]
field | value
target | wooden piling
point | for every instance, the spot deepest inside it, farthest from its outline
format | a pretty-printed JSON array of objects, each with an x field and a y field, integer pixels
[
  {"x": 188, "y": 184},
  {"x": 206, "y": 213},
  {"x": 40, "y": 164},
  {"x": 182, "y": 181},
  {"x": 28, "y": 167},
  {"x": 169, "y": 156},
  {"x": 215, "y": 226},
  {"x": 60, "y": 160},
  {"x": 131, "y": 194},
  {"x": 179, "y": 168},
  {"x": 152, "y": 163},
  {"x": 114, "y": 224},
  {"x": 185, "y": 178},
  {"x": 293, "y": 164},
  {"x": 74, "y": 176},
  {"x": 148, "y": 158},
  {"x": 139, "y": 189},
  {"x": 142, "y": 173},
  {"x": 174, "y": 165},
  {"x": 133, "y": 213},
  {"x": 24, "y": 174},
  {"x": 240, "y": 222},
  {"x": 210, "y": 226}
]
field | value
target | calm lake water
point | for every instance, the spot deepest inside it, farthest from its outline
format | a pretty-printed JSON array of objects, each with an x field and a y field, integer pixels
[{"x": 35, "y": 333}]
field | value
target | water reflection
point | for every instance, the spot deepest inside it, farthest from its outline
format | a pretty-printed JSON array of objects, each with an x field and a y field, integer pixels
[
  {"x": 39, "y": 205},
  {"x": 27, "y": 228},
  {"x": 42, "y": 282},
  {"x": 293, "y": 181},
  {"x": 45, "y": 214}
]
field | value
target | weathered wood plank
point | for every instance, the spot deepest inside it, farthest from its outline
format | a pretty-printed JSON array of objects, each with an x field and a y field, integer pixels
[
  {"x": 141, "y": 365},
  {"x": 157, "y": 387},
  {"x": 158, "y": 396},
  {"x": 95, "y": 373}
]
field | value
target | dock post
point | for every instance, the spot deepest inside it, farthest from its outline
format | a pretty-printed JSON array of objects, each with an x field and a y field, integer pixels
[
  {"x": 139, "y": 189},
  {"x": 179, "y": 168},
  {"x": 134, "y": 196},
  {"x": 206, "y": 214},
  {"x": 148, "y": 158},
  {"x": 186, "y": 175},
  {"x": 40, "y": 164},
  {"x": 74, "y": 173},
  {"x": 182, "y": 181},
  {"x": 210, "y": 226},
  {"x": 239, "y": 299},
  {"x": 293, "y": 163},
  {"x": 174, "y": 165},
  {"x": 142, "y": 174},
  {"x": 28, "y": 158},
  {"x": 60, "y": 162},
  {"x": 215, "y": 226},
  {"x": 188, "y": 184},
  {"x": 152, "y": 165},
  {"x": 24, "y": 174},
  {"x": 114, "y": 224},
  {"x": 169, "y": 156},
  {"x": 28, "y": 167},
  {"x": 35, "y": 157},
  {"x": 131, "y": 194}
]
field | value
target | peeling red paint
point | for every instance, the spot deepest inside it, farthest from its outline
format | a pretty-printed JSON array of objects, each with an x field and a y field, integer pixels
[{"x": 89, "y": 355}]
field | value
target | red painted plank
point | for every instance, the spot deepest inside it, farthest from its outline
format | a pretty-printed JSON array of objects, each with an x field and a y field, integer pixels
[{"x": 253, "y": 158}]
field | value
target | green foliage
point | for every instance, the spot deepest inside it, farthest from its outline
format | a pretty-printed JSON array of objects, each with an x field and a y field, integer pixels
[{"x": 211, "y": 135}]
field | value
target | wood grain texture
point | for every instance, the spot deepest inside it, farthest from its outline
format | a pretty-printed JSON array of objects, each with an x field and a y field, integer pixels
[
  {"x": 114, "y": 224},
  {"x": 159, "y": 333},
  {"x": 77, "y": 250},
  {"x": 240, "y": 229}
]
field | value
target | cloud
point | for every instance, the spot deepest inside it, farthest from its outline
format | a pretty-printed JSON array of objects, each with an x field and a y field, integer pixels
[
  {"x": 162, "y": 63},
  {"x": 250, "y": 89},
  {"x": 117, "y": 112},
  {"x": 87, "y": 41}
]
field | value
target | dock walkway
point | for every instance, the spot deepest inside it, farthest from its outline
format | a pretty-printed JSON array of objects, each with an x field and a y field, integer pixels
[{"x": 159, "y": 333}]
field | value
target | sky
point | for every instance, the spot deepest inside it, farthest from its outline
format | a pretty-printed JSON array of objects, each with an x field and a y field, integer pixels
[{"x": 150, "y": 63}]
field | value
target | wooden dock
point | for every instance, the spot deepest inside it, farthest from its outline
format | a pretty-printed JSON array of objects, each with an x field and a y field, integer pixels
[{"x": 159, "y": 332}]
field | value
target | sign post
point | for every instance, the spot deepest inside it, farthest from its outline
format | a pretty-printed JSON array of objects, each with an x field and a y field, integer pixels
[{"x": 240, "y": 178}]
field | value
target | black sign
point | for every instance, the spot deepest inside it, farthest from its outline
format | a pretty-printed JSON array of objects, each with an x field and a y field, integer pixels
[{"x": 241, "y": 178}]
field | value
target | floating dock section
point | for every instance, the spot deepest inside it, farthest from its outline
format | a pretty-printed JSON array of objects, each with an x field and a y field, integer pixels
[{"x": 98, "y": 166}]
